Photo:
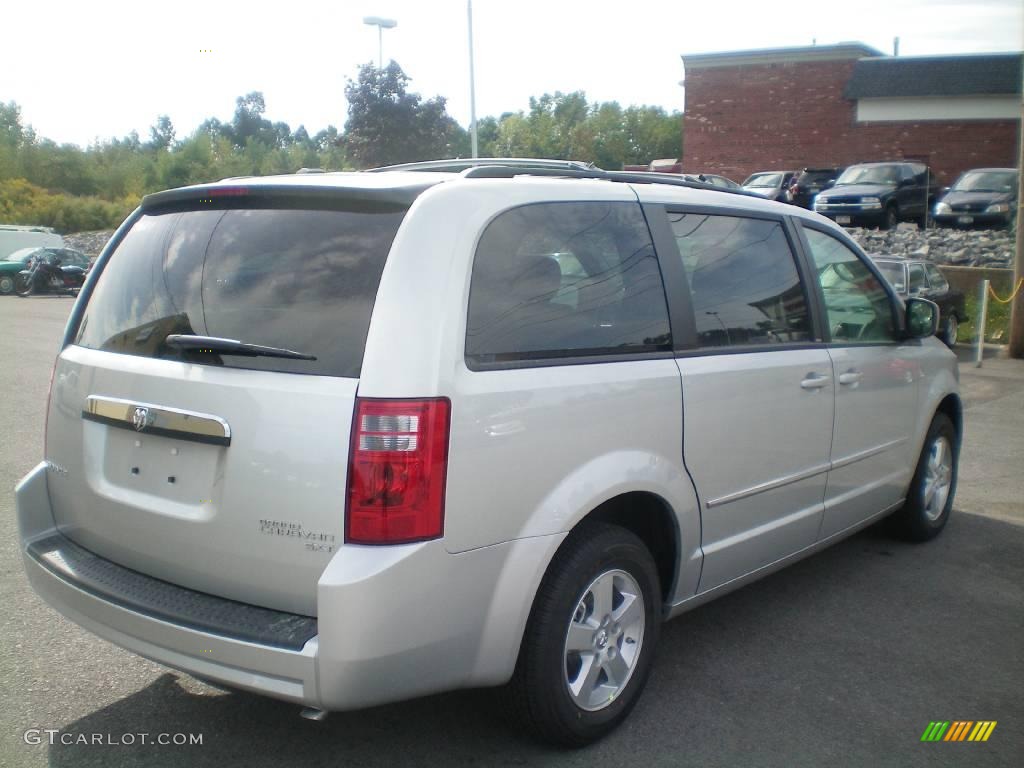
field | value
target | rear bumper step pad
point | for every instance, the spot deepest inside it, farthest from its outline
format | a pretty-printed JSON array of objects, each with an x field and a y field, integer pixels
[{"x": 169, "y": 602}]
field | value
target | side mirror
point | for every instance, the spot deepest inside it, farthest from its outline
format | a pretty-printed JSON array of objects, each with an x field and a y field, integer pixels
[
  {"x": 945, "y": 190},
  {"x": 829, "y": 184},
  {"x": 922, "y": 318}
]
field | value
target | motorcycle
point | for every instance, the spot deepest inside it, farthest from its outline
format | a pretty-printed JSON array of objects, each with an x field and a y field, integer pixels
[{"x": 44, "y": 274}]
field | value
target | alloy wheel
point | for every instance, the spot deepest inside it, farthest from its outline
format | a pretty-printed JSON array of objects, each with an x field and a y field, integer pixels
[
  {"x": 938, "y": 477},
  {"x": 604, "y": 639}
]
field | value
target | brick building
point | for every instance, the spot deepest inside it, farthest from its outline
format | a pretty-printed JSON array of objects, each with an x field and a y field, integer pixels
[{"x": 834, "y": 105}]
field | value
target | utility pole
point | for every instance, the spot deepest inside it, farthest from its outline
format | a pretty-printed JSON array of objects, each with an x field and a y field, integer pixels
[
  {"x": 472, "y": 85},
  {"x": 1017, "y": 307}
]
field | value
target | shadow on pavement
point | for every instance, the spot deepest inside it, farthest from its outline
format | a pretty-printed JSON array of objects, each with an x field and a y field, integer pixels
[{"x": 842, "y": 659}]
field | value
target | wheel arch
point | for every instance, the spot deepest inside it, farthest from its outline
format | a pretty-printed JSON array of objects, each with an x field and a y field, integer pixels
[
  {"x": 663, "y": 528},
  {"x": 651, "y": 519},
  {"x": 952, "y": 407}
]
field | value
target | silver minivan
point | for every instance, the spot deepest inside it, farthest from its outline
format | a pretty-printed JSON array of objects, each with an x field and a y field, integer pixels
[{"x": 345, "y": 439}]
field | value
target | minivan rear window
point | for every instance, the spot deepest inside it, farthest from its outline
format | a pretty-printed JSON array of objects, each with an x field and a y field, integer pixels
[{"x": 298, "y": 279}]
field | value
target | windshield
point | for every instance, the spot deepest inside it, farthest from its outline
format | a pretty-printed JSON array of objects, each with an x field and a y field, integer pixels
[
  {"x": 870, "y": 174},
  {"x": 892, "y": 272},
  {"x": 986, "y": 181},
  {"x": 764, "y": 180}
]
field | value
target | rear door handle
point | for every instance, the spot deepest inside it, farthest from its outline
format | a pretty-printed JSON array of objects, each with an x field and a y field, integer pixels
[
  {"x": 850, "y": 377},
  {"x": 815, "y": 381}
]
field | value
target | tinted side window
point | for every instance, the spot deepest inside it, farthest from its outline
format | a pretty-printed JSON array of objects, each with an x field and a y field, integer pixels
[
  {"x": 917, "y": 281},
  {"x": 566, "y": 279},
  {"x": 936, "y": 279},
  {"x": 743, "y": 280},
  {"x": 300, "y": 279},
  {"x": 858, "y": 306}
]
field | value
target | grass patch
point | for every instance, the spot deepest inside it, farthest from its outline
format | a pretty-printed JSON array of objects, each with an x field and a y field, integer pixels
[{"x": 997, "y": 324}]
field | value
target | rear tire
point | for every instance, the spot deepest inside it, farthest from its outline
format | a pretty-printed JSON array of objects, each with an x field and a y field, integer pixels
[
  {"x": 890, "y": 218},
  {"x": 951, "y": 331},
  {"x": 930, "y": 498},
  {"x": 7, "y": 283},
  {"x": 590, "y": 638}
]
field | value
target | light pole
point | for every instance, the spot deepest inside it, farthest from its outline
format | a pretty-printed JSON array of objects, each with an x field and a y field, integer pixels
[
  {"x": 472, "y": 85},
  {"x": 381, "y": 25}
]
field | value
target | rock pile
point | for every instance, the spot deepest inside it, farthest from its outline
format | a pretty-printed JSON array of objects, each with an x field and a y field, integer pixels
[
  {"x": 89, "y": 243},
  {"x": 967, "y": 248}
]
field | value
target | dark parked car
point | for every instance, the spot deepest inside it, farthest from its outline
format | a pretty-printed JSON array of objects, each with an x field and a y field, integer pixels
[
  {"x": 878, "y": 195},
  {"x": 809, "y": 182},
  {"x": 924, "y": 280},
  {"x": 771, "y": 184},
  {"x": 981, "y": 197}
]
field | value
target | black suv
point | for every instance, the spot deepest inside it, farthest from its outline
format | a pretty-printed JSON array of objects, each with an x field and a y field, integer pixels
[
  {"x": 878, "y": 195},
  {"x": 809, "y": 182}
]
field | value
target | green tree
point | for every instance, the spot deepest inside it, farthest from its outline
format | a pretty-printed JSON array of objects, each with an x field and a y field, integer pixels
[
  {"x": 387, "y": 124},
  {"x": 161, "y": 135}
]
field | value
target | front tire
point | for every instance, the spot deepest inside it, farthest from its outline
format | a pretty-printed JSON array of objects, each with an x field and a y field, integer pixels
[
  {"x": 7, "y": 284},
  {"x": 930, "y": 498},
  {"x": 590, "y": 638}
]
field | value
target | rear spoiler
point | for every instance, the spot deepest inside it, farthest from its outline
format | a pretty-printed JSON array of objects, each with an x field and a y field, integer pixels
[{"x": 241, "y": 195}]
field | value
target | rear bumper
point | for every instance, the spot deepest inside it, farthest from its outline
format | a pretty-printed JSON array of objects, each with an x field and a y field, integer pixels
[
  {"x": 283, "y": 673},
  {"x": 393, "y": 622}
]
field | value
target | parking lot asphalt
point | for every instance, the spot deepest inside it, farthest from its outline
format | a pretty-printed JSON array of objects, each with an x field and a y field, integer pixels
[{"x": 842, "y": 659}]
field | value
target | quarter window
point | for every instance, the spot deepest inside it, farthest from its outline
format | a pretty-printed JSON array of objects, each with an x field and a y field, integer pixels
[
  {"x": 743, "y": 280},
  {"x": 566, "y": 279},
  {"x": 858, "y": 306}
]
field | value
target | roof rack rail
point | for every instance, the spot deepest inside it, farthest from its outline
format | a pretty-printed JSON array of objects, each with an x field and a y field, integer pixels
[
  {"x": 458, "y": 165},
  {"x": 626, "y": 177}
]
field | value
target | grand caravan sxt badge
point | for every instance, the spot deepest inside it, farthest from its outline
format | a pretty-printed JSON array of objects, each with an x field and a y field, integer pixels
[{"x": 314, "y": 541}]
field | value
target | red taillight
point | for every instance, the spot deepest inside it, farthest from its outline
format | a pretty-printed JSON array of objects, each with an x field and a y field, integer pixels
[{"x": 398, "y": 461}]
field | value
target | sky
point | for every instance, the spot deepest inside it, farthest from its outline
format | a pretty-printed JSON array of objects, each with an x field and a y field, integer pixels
[{"x": 83, "y": 72}]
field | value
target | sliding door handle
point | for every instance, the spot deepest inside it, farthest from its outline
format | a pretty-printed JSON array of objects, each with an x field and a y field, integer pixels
[
  {"x": 850, "y": 377},
  {"x": 815, "y": 381}
]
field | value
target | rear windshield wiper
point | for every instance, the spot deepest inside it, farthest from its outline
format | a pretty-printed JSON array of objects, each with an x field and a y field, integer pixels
[{"x": 230, "y": 347}]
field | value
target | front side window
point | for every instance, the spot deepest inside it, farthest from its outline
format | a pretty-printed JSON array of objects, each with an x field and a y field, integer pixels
[
  {"x": 566, "y": 280},
  {"x": 744, "y": 284},
  {"x": 858, "y": 307},
  {"x": 936, "y": 279}
]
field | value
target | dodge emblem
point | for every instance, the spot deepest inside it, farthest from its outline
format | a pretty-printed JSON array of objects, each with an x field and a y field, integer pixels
[{"x": 140, "y": 418}]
